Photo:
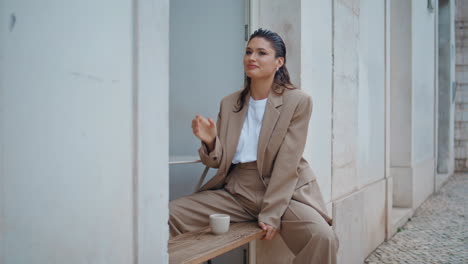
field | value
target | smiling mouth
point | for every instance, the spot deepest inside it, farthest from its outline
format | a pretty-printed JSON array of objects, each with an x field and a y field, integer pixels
[{"x": 252, "y": 66}]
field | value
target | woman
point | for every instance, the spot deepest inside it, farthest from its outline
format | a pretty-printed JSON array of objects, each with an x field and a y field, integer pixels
[{"x": 257, "y": 143}]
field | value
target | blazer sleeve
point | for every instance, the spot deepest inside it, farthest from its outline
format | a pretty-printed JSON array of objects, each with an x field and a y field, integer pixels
[
  {"x": 284, "y": 176},
  {"x": 213, "y": 159}
]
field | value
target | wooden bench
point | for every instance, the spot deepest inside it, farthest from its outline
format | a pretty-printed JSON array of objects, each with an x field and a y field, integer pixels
[{"x": 200, "y": 246}]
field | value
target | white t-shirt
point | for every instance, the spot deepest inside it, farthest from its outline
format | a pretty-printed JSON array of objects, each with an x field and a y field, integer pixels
[{"x": 248, "y": 140}]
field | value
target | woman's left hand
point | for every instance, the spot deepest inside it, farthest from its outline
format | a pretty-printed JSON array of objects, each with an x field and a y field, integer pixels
[{"x": 270, "y": 231}]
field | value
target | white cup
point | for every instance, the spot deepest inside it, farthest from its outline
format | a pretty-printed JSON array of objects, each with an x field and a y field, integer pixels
[{"x": 219, "y": 223}]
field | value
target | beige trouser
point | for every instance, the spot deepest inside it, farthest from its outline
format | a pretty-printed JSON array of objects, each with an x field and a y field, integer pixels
[{"x": 303, "y": 230}]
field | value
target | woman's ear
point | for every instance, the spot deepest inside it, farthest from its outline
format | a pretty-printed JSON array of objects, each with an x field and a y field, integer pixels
[{"x": 279, "y": 62}]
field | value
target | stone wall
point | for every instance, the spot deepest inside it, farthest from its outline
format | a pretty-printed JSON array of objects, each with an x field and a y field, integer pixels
[
  {"x": 461, "y": 77},
  {"x": 84, "y": 131}
]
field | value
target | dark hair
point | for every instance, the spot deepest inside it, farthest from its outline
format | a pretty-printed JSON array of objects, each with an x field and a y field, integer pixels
[{"x": 281, "y": 80}]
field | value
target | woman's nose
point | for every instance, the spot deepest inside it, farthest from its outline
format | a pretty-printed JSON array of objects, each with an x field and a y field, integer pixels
[{"x": 252, "y": 57}]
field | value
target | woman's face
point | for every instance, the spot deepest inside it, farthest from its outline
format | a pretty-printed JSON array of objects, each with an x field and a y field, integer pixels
[{"x": 259, "y": 59}]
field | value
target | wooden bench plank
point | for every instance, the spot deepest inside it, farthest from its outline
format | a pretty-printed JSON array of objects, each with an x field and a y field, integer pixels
[{"x": 200, "y": 246}]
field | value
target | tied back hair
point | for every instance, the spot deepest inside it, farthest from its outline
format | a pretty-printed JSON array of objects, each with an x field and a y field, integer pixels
[{"x": 281, "y": 80}]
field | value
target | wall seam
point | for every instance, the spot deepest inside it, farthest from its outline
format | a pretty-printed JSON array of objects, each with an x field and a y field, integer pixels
[
  {"x": 388, "y": 205},
  {"x": 436, "y": 92},
  {"x": 135, "y": 123},
  {"x": 411, "y": 145},
  {"x": 332, "y": 95},
  {"x": 357, "y": 191},
  {"x": 2, "y": 148}
]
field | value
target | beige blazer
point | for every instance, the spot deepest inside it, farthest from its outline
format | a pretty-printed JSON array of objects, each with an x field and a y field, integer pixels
[{"x": 283, "y": 170}]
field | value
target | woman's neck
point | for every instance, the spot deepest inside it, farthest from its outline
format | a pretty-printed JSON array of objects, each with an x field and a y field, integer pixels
[{"x": 259, "y": 89}]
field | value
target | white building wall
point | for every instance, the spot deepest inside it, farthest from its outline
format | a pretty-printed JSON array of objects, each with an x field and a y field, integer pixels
[
  {"x": 400, "y": 87},
  {"x": 67, "y": 132},
  {"x": 423, "y": 91},
  {"x": 359, "y": 187},
  {"x": 284, "y": 18},
  {"x": 343, "y": 68},
  {"x": 371, "y": 122},
  {"x": 316, "y": 80},
  {"x": 371, "y": 102},
  {"x": 151, "y": 120},
  {"x": 345, "y": 97},
  {"x": 75, "y": 104},
  {"x": 423, "y": 81},
  {"x": 84, "y": 150}
]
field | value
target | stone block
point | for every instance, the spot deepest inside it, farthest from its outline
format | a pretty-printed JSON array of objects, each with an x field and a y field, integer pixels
[
  {"x": 461, "y": 56},
  {"x": 462, "y": 87},
  {"x": 461, "y": 68},
  {"x": 388, "y": 229},
  {"x": 374, "y": 213},
  {"x": 345, "y": 96},
  {"x": 461, "y": 165},
  {"x": 360, "y": 222},
  {"x": 461, "y": 75},
  {"x": 461, "y": 116},
  {"x": 461, "y": 150},
  {"x": 344, "y": 181},
  {"x": 461, "y": 106},
  {"x": 402, "y": 186},
  {"x": 348, "y": 221},
  {"x": 398, "y": 218},
  {"x": 424, "y": 179},
  {"x": 346, "y": 37},
  {"x": 462, "y": 94}
]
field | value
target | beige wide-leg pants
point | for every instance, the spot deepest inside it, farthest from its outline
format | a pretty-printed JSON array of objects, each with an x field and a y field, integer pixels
[{"x": 303, "y": 230}]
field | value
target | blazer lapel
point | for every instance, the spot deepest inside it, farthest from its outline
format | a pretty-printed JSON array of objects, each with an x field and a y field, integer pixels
[
  {"x": 270, "y": 117},
  {"x": 236, "y": 122}
]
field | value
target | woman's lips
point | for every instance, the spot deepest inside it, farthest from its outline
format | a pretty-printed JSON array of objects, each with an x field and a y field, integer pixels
[{"x": 251, "y": 66}]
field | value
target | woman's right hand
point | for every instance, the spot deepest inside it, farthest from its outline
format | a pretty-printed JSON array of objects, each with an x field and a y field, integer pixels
[{"x": 205, "y": 130}]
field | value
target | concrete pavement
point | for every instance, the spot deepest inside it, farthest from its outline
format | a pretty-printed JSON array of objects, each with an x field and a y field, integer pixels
[{"x": 437, "y": 233}]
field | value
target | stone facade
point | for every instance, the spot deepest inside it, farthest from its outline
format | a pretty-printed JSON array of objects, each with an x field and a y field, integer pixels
[
  {"x": 461, "y": 98},
  {"x": 381, "y": 130}
]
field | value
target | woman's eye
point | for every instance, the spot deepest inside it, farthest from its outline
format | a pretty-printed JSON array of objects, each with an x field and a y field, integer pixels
[
  {"x": 248, "y": 52},
  {"x": 262, "y": 53}
]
